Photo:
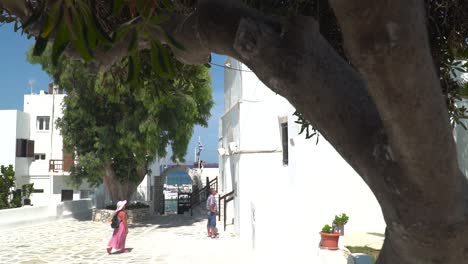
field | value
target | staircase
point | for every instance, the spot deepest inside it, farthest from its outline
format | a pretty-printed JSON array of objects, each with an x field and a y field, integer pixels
[
  {"x": 223, "y": 201},
  {"x": 195, "y": 202}
]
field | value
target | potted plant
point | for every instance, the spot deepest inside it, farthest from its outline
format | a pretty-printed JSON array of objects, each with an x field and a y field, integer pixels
[
  {"x": 27, "y": 190},
  {"x": 339, "y": 222},
  {"x": 329, "y": 239}
]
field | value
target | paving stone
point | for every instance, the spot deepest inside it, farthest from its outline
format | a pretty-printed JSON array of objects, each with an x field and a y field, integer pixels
[{"x": 163, "y": 240}]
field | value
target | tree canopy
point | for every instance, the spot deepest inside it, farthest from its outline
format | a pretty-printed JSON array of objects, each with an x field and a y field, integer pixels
[{"x": 108, "y": 119}]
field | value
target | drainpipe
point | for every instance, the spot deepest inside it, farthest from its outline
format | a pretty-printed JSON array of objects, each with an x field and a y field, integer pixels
[{"x": 51, "y": 127}]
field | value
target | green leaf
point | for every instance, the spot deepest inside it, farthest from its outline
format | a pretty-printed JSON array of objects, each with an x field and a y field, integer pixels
[
  {"x": 161, "y": 61},
  {"x": 117, "y": 6},
  {"x": 133, "y": 45},
  {"x": 168, "y": 4},
  {"x": 60, "y": 43},
  {"x": 53, "y": 17},
  {"x": 155, "y": 61},
  {"x": 16, "y": 27},
  {"x": 133, "y": 68},
  {"x": 40, "y": 45},
  {"x": 125, "y": 28},
  {"x": 159, "y": 19},
  {"x": 75, "y": 25},
  {"x": 142, "y": 7}
]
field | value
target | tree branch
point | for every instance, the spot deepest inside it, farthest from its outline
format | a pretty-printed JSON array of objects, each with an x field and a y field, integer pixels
[{"x": 388, "y": 43}]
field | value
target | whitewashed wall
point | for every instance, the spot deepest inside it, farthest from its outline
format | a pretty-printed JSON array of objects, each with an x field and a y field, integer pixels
[
  {"x": 49, "y": 142},
  {"x": 8, "y": 137},
  {"x": 14, "y": 126},
  {"x": 277, "y": 205}
]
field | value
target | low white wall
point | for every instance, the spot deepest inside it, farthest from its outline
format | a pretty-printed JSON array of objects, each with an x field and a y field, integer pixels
[
  {"x": 23, "y": 215},
  {"x": 79, "y": 209}
]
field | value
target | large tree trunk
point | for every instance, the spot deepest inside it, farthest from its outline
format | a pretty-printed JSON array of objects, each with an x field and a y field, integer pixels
[
  {"x": 384, "y": 114},
  {"x": 120, "y": 190}
]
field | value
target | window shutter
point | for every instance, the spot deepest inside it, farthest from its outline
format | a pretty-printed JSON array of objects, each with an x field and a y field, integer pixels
[
  {"x": 67, "y": 160},
  {"x": 30, "y": 149}
]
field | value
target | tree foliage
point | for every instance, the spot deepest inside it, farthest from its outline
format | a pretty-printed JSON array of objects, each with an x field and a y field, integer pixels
[
  {"x": 9, "y": 198},
  {"x": 109, "y": 119}
]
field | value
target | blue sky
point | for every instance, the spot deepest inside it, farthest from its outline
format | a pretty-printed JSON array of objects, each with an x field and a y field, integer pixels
[{"x": 16, "y": 72}]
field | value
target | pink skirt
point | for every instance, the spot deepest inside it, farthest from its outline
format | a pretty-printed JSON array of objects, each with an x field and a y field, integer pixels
[{"x": 118, "y": 238}]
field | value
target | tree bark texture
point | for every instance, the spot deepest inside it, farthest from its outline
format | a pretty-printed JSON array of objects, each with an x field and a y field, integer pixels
[
  {"x": 119, "y": 190},
  {"x": 385, "y": 114}
]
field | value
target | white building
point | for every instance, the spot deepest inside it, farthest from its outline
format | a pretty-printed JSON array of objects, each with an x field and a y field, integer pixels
[
  {"x": 287, "y": 187},
  {"x": 32, "y": 143},
  {"x": 36, "y": 146}
]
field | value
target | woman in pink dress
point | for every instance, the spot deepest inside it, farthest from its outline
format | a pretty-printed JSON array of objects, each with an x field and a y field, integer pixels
[{"x": 117, "y": 242}]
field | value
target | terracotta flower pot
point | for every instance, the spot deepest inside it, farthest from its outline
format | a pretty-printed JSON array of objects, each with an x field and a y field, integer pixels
[{"x": 329, "y": 240}]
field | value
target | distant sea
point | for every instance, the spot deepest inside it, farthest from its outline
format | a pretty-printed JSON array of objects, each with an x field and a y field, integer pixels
[{"x": 177, "y": 177}]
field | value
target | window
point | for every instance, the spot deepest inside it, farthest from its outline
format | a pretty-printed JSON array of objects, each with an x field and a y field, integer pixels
[
  {"x": 84, "y": 194},
  {"x": 39, "y": 156},
  {"x": 42, "y": 123},
  {"x": 284, "y": 142},
  {"x": 67, "y": 195},
  {"x": 24, "y": 148}
]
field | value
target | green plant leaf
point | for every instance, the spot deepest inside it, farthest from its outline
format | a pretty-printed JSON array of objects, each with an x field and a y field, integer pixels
[
  {"x": 75, "y": 25},
  {"x": 159, "y": 19},
  {"x": 168, "y": 4},
  {"x": 117, "y": 6},
  {"x": 40, "y": 45},
  {"x": 125, "y": 28},
  {"x": 133, "y": 68},
  {"x": 61, "y": 41},
  {"x": 53, "y": 17},
  {"x": 133, "y": 45},
  {"x": 155, "y": 60}
]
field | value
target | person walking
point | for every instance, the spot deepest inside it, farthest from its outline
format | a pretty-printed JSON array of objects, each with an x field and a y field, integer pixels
[
  {"x": 212, "y": 207},
  {"x": 117, "y": 242}
]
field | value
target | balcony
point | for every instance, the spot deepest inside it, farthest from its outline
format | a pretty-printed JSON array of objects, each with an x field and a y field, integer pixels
[{"x": 60, "y": 165}]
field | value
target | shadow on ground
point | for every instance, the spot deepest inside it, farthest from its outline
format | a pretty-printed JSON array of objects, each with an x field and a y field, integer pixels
[{"x": 169, "y": 221}]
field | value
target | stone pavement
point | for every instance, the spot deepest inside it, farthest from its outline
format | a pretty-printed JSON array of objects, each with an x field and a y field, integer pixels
[
  {"x": 373, "y": 240},
  {"x": 164, "y": 239},
  {"x": 172, "y": 239}
]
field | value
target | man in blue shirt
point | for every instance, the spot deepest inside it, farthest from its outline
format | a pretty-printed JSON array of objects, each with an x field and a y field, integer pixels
[{"x": 212, "y": 207}]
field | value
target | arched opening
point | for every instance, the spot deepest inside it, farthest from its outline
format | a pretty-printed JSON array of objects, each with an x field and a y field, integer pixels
[
  {"x": 178, "y": 181},
  {"x": 173, "y": 179}
]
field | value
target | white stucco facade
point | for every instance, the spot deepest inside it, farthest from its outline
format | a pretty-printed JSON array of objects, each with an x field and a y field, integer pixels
[
  {"x": 37, "y": 123},
  {"x": 14, "y": 126},
  {"x": 292, "y": 200}
]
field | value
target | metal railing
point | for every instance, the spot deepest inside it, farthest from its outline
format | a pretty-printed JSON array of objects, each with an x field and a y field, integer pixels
[
  {"x": 202, "y": 194},
  {"x": 183, "y": 202},
  {"x": 55, "y": 165},
  {"x": 225, "y": 199}
]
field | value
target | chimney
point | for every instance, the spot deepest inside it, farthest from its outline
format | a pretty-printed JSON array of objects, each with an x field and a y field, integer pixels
[{"x": 56, "y": 89}]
